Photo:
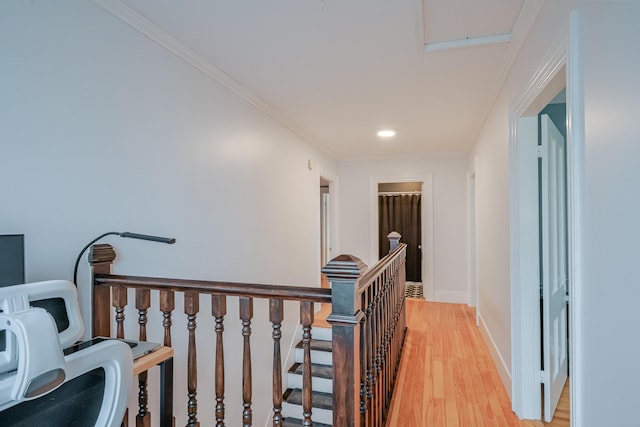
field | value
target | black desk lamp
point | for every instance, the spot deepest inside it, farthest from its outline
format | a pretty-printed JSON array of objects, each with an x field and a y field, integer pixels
[{"x": 167, "y": 240}]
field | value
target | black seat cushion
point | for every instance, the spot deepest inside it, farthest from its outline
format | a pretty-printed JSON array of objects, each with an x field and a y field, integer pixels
[{"x": 76, "y": 403}]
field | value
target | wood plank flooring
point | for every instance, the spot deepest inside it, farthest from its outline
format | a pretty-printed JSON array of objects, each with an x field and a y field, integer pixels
[
  {"x": 447, "y": 377},
  {"x": 562, "y": 418}
]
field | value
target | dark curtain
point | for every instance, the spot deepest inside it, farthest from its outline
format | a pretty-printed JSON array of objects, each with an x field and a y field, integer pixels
[{"x": 401, "y": 213}]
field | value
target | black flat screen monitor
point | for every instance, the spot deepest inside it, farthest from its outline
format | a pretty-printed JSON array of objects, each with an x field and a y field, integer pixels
[{"x": 11, "y": 259}]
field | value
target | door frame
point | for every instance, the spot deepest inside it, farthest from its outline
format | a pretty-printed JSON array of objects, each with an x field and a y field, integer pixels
[
  {"x": 426, "y": 226},
  {"x": 553, "y": 72},
  {"x": 334, "y": 218}
]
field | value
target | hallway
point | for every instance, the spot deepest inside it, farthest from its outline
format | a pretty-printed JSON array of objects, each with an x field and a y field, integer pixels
[{"x": 446, "y": 376}]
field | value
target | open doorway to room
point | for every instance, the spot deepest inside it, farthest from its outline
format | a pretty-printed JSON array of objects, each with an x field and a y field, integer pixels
[
  {"x": 553, "y": 255},
  {"x": 540, "y": 233},
  {"x": 400, "y": 209},
  {"x": 426, "y": 225},
  {"x": 325, "y": 227}
]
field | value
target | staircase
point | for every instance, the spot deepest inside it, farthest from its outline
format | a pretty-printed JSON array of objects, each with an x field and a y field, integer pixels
[{"x": 322, "y": 382}]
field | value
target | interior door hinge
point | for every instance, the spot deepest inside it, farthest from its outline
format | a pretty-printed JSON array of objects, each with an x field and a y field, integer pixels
[
  {"x": 566, "y": 299},
  {"x": 539, "y": 149},
  {"x": 541, "y": 377}
]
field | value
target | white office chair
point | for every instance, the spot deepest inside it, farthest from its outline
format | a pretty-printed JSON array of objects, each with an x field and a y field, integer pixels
[{"x": 42, "y": 384}]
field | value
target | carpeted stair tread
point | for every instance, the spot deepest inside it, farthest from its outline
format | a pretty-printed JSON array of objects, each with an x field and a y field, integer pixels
[
  {"x": 293, "y": 422},
  {"x": 318, "y": 345},
  {"x": 320, "y": 371},
  {"x": 318, "y": 400}
]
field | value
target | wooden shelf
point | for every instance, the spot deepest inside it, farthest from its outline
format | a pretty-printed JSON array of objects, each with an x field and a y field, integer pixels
[{"x": 149, "y": 360}]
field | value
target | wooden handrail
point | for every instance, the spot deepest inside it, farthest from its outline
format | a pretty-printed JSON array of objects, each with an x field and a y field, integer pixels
[
  {"x": 380, "y": 266},
  {"x": 254, "y": 290},
  {"x": 368, "y": 325}
]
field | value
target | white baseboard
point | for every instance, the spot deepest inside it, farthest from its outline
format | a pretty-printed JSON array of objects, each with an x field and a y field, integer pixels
[
  {"x": 428, "y": 291},
  {"x": 456, "y": 297},
  {"x": 503, "y": 371}
]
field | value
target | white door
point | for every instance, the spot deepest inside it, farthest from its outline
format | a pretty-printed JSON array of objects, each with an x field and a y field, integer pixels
[{"x": 554, "y": 265}]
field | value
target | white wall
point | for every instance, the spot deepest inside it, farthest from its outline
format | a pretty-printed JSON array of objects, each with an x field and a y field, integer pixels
[
  {"x": 448, "y": 175},
  {"x": 605, "y": 66},
  {"x": 491, "y": 156},
  {"x": 610, "y": 198},
  {"x": 101, "y": 129}
]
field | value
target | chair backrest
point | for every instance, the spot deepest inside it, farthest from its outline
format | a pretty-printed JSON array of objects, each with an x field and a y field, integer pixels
[
  {"x": 38, "y": 381},
  {"x": 58, "y": 297}
]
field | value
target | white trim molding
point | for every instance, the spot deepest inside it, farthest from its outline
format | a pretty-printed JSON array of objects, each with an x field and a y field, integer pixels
[
  {"x": 455, "y": 297},
  {"x": 575, "y": 182},
  {"x": 501, "y": 366}
]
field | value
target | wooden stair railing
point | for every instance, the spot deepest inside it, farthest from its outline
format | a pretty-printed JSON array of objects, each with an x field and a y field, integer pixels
[{"x": 368, "y": 324}]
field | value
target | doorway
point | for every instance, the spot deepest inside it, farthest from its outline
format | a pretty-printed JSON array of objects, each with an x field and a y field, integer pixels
[
  {"x": 539, "y": 226},
  {"x": 426, "y": 225},
  {"x": 325, "y": 227},
  {"x": 553, "y": 254},
  {"x": 400, "y": 209}
]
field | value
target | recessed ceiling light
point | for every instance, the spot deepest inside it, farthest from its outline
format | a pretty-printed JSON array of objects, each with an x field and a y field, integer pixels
[{"x": 386, "y": 133}]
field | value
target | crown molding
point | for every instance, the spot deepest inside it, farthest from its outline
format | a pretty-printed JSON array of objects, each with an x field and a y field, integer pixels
[
  {"x": 554, "y": 59},
  {"x": 144, "y": 26}
]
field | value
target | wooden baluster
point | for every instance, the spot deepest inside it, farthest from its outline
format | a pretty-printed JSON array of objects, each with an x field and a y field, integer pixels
[
  {"x": 306, "y": 320},
  {"x": 380, "y": 346},
  {"x": 276, "y": 315},
  {"x": 363, "y": 363},
  {"x": 219, "y": 310},
  {"x": 375, "y": 356},
  {"x": 191, "y": 308},
  {"x": 389, "y": 311},
  {"x": 379, "y": 349},
  {"x": 389, "y": 329},
  {"x": 385, "y": 340},
  {"x": 403, "y": 312},
  {"x": 119, "y": 303},
  {"x": 395, "y": 332},
  {"x": 167, "y": 305},
  {"x": 246, "y": 313},
  {"x": 143, "y": 301},
  {"x": 370, "y": 354}
]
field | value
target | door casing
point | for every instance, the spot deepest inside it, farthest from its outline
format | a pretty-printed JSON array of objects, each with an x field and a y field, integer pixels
[{"x": 552, "y": 74}]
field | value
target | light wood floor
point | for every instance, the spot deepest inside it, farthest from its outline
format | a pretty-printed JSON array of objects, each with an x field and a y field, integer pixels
[{"x": 447, "y": 377}]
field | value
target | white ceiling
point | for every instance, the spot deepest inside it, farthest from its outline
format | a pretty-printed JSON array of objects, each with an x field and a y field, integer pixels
[{"x": 335, "y": 71}]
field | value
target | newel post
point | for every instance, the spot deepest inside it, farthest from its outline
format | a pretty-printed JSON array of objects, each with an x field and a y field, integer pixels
[
  {"x": 101, "y": 258},
  {"x": 344, "y": 273},
  {"x": 394, "y": 240}
]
